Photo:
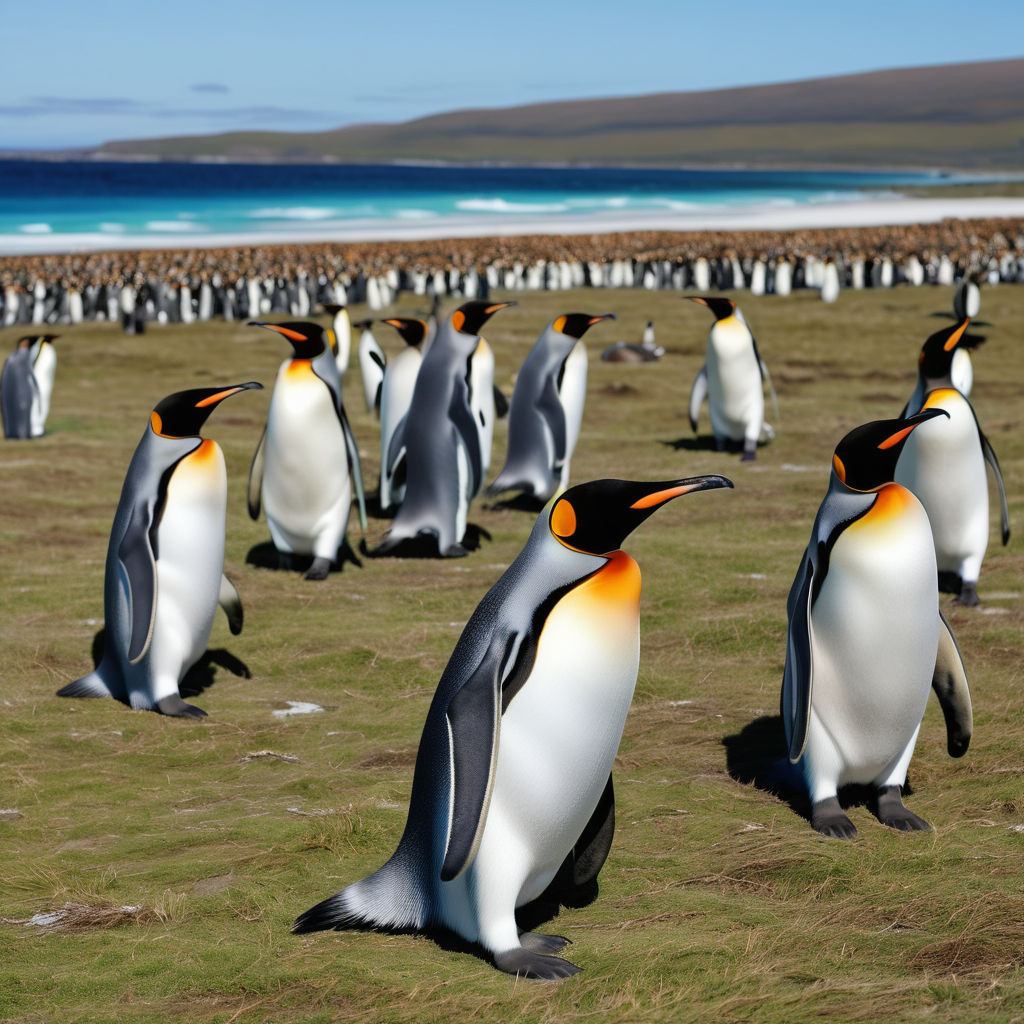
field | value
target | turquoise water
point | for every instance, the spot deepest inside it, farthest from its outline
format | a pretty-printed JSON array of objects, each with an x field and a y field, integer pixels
[{"x": 51, "y": 206}]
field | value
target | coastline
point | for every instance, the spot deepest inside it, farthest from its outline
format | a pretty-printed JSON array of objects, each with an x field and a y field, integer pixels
[{"x": 873, "y": 212}]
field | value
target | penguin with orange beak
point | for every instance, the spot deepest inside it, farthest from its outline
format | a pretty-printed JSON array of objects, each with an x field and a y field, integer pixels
[
  {"x": 866, "y": 637},
  {"x": 306, "y": 464},
  {"x": 943, "y": 463},
  {"x": 512, "y": 788},
  {"x": 165, "y": 560}
]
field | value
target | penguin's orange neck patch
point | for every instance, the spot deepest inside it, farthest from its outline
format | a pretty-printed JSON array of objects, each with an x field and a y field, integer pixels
[
  {"x": 892, "y": 503},
  {"x": 298, "y": 368},
  {"x": 614, "y": 585}
]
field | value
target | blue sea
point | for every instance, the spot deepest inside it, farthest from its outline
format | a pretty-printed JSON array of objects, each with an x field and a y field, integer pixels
[{"x": 66, "y": 206}]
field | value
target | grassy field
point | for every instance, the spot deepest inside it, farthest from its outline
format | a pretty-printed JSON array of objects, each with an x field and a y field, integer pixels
[{"x": 190, "y": 847}]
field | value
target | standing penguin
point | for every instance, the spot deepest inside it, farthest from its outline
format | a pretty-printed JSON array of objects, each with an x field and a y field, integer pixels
[
  {"x": 341, "y": 325},
  {"x": 547, "y": 409},
  {"x": 440, "y": 439},
  {"x": 19, "y": 392},
  {"x": 44, "y": 367},
  {"x": 512, "y": 788},
  {"x": 944, "y": 465},
  {"x": 371, "y": 366},
  {"x": 165, "y": 560},
  {"x": 395, "y": 395},
  {"x": 866, "y": 637},
  {"x": 307, "y": 460},
  {"x": 731, "y": 378}
]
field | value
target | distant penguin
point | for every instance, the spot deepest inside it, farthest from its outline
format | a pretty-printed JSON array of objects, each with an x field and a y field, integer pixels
[
  {"x": 44, "y": 367},
  {"x": 341, "y": 325},
  {"x": 966, "y": 300},
  {"x": 165, "y": 560},
  {"x": 731, "y": 378},
  {"x": 647, "y": 351},
  {"x": 943, "y": 463},
  {"x": 829, "y": 281},
  {"x": 395, "y": 395},
  {"x": 440, "y": 440},
  {"x": 547, "y": 408},
  {"x": 512, "y": 794},
  {"x": 961, "y": 372},
  {"x": 19, "y": 392},
  {"x": 866, "y": 638},
  {"x": 307, "y": 460},
  {"x": 371, "y": 366}
]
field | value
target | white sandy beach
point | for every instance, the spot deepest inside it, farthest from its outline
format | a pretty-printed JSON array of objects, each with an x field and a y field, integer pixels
[{"x": 872, "y": 212}]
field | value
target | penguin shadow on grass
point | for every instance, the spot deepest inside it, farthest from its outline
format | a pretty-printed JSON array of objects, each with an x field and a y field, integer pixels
[
  {"x": 424, "y": 545},
  {"x": 266, "y": 556},
  {"x": 756, "y": 755},
  {"x": 522, "y": 502},
  {"x": 708, "y": 443},
  {"x": 200, "y": 677}
]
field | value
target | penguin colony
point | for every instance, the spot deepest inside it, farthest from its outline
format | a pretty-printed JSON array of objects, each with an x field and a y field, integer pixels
[{"x": 488, "y": 829}]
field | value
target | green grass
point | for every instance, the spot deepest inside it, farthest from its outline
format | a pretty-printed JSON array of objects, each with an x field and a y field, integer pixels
[{"x": 718, "y": 902}]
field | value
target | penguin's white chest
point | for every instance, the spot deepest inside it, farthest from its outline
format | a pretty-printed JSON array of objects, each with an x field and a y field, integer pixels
[
  {"x": 875, "y": 629},
  {"x": 190, "y": 551},
  {"x": 560, "y": 732},
  {"x": 306, "y": 486},
  {"x": 943, "y": 464},
  {"x": 735, "y": 398}
]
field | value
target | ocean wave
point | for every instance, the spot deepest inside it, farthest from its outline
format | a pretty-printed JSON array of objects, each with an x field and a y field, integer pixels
[
  {"x": 292, "y": 213},
  {"x": 110, "y": 228},
  {"x": 499, "y": 205},
  {"x": 415, "y": 214},
  {"x": 39, "y": 228},
  {"x": 173, "y": 225}
]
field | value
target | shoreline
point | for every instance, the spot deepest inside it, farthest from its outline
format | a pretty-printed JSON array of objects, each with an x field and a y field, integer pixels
[{"x": 876, "y": 212}]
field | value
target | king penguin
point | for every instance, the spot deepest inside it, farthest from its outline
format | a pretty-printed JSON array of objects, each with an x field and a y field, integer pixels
[
  {"x": 307, "y": 461},
  {"x": 371, "y": 366},
  {"x": 944, "y": 465},
  {"x": 512, "y": 787},
  {"x": 44, "y": 367},
  {"x": 395, "y": 395},
  {"x": 19, "y": 392},
  {"x": 731, "y": 379},
  {"x": 866, "y": 637},
  {"x": 165, "y": 560},
  {"x": 440, "y": 440},
  {"x": 547, "y": 409},
  {"x": 341, "y": 325}
]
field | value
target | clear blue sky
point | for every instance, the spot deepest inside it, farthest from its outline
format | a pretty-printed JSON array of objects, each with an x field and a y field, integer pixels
[{"x": 75, "y": 73}]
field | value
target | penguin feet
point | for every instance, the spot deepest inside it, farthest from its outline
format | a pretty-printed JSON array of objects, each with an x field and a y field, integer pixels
[
  {"x": 318, "y": 570},
  {"x": 535, "y": 942},
  {"x": 177, "y": 708},
  {"x": 891, "y": 812},
  {"x": 968, "y": 596},
  {"x": 749, "y": 451},
  {"x": 828, "y": 818},
  {"x": 526, "y": 964}
]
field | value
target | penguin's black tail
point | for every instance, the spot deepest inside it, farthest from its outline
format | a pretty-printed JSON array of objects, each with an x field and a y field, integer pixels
[{"x": 387, "y": 900}]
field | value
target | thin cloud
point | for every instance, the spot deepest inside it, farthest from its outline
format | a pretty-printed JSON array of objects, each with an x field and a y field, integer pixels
[{"x": 210, "y": 87}]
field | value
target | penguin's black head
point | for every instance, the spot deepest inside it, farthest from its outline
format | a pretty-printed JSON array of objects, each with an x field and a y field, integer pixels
[
  {"x": 413, "y": 331},
  {"x": 307, "y": 339},
  {"x": 719, "y": 306},
  {"x": 333, "y": 308},
  {"x": 597, "y": 517},
  {"x": 866, "y": 458},
  {"x": 575, "y": 325},
  {"x": 184, "y": 413},
  {"x": 937, "y": 352},
  {"x": 471, "y": 316}
]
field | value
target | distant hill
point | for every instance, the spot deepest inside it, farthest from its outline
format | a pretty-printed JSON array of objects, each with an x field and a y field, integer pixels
[{"x": 948, "y": 116}]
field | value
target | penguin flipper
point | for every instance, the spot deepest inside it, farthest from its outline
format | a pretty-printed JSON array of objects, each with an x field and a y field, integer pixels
[
  {"x": 550, "y": 406},
  {"x": 462, "y": 419},
  {"x": 767, "y": 378},
  {"x": 256, "y": 476},
  {"x": 500, "y": 403},
  {"x": 799, "y": 673},
  {"x": 1004, "y": 511},
  {"x": 473, "y": 718},
  {"x": 138, "y": 567},
  {"x": 950, "y": 685},
  {"x": 698, "y": 393},
  {"x": 594, "y": 844},
  {"x": 355, "y": 469},
  {"x": 229, "y": 600}
]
